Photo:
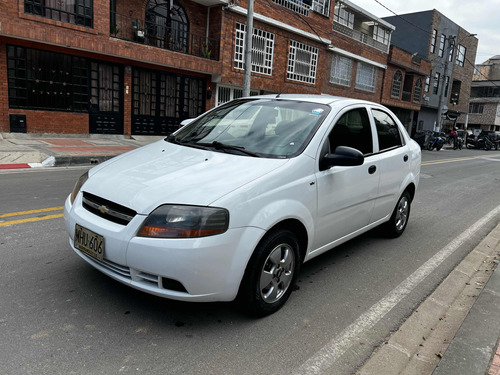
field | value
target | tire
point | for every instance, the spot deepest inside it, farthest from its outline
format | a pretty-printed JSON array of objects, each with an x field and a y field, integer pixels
[
  {"x": 439, "y": 147},
  {"x": 270, "y": 274},
  {"x": 399, "y": 218}
]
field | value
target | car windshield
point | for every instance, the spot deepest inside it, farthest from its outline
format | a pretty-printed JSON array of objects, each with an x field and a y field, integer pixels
[{"x": 272, "y": 128}]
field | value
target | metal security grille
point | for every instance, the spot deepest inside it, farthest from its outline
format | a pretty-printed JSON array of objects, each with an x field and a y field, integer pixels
[
  {"x": 417, "y": 92},
  {"x": 225, "y": 93},
  {"x": 366, "y": 77},
  {"x": 46, "y": 80},
  {"x": 106, "y": 115},
  {"x": 161, "y": 100},
  {"x": 262, "y": 50},
  {"x": 396, "y": 84},
  {"x": 321, "y": 6},
  {"x": 302, "y": 62},
  {"x": 341, "y": 70},
  {"x": 297, "y": 6}
]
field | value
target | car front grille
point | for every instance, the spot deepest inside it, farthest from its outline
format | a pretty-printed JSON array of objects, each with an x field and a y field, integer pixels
[{"x": 108, "y": 210}]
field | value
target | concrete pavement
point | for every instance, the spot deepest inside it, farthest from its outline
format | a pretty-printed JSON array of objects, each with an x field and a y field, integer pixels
[
  {"x": 45, "y": 150},
  {"x": 454, "y": 331}
]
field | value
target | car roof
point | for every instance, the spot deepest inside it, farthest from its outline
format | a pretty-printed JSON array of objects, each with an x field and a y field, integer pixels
[{"x": 322, "y": 99}]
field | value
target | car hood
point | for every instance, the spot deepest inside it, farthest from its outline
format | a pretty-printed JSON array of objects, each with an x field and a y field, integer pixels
[{"x": 163, "y": 172}]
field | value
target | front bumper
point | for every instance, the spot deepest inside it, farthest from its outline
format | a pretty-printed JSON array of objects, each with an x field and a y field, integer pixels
[{"x": 208, "y": 268}]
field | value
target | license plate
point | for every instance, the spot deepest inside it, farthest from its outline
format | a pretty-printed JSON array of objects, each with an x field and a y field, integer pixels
[{"x": 89, "y": 242}]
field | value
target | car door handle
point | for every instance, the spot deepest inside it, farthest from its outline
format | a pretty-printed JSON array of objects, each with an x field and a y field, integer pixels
[
  {"x": 405, "y": 158},
  {"x": 372, "y": 169}
]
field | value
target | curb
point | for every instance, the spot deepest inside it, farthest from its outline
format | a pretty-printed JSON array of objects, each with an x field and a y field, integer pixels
[
  {"x": 60, "y": 161},
  {"x": 418, "y": 345},
  {"x": 15, "y": 166}
]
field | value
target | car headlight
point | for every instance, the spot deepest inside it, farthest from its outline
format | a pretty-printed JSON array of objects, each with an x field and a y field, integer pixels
[
  {"x": 84, "y": 177},
  {"x": 172, "y": 221}
]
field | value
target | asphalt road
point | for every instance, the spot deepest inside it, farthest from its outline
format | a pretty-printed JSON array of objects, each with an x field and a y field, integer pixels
[{"x": 60, "y": 316}]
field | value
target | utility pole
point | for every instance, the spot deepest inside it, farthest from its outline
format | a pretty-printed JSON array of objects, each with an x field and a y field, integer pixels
[
  {"x": 441, "y": 91},
  {"x": 248, "y": 49}
]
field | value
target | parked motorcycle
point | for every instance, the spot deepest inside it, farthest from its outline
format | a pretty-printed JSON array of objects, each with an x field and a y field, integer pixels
[
  {"x": 436, "y": 142},
  {"x": 481, "y": 142}
]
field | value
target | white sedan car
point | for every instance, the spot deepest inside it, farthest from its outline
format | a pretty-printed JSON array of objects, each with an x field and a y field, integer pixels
[{"x": 233, "y": 203}]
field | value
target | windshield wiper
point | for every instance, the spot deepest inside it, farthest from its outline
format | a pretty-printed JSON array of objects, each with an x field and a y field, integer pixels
[
  {"x": 173, "y": 139},
  {"x": 223, "y": 146},
  {"x": 206, "y": 146}
]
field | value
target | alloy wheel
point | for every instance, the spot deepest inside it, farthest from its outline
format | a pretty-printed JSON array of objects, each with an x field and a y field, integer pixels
[{"x": 277, "y": 273}]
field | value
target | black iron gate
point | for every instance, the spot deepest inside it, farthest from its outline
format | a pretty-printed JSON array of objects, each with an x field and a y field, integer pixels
[
  {"x": 162, "y": 100},
  {"x": 106, "y": 99}
]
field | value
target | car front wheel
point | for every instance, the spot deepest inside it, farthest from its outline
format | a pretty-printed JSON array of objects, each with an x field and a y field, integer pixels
[
  {"x": 271, "y": 273},
  {"x": 399, "y": 218}
]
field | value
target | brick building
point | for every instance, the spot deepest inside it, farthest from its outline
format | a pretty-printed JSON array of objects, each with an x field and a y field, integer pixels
[
  {"x": 403, "y": 86},
  {"x": 142, "y": 66},
  {"x": 451, "y": 51},
  {"x": 484, "y": 106}
]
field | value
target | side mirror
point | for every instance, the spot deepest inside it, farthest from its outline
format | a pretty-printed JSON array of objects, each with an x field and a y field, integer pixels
[
  {"x": 186, "y": 121},
  {"x": 343, "y": 156}
]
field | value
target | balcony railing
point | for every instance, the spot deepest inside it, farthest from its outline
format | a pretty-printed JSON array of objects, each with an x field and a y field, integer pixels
[
  {"x": 171, "y": 36},
  {"x": 360, "y": 36},
  {"x": 297, "y": 6}
]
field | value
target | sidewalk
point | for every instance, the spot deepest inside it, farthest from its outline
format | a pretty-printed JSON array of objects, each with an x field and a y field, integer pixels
[
  {"x": 47, "y": 150},
  {"x": 470, "y": 347},
  {"x": 456, "y": 329}
]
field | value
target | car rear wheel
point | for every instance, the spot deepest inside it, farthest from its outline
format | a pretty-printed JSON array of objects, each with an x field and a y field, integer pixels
[
  {"x": 399, "y": 218},
  {"x": 271, "y": 273}
]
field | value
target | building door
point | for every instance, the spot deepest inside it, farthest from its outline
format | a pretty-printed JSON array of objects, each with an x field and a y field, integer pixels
[
  {"x": 106, "y": 99},
  {"x": 162, "y": 100}
]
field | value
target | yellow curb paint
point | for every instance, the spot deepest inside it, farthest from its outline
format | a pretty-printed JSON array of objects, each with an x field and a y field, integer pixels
[
  {"x": 21, "y": 221},
  {"x": 32, "y": 211}
]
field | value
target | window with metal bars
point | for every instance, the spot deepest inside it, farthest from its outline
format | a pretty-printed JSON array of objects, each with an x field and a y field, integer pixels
[
  {"x": 46, "y": 80},
  {"x": 78, "y": 12},
  {"x": 366, "y": 77},
  {"x": 262, "y": 50},
  {"x": 417, "y": 91},
  {"x": 397, "y": 82},
  {"x": 226, "y": 93},
  {"x": 302, "y": 62},
  {"x": 341, "y": 70},
  {"x": 321, "y": 6},
  {"x": 343, "y": 16}
]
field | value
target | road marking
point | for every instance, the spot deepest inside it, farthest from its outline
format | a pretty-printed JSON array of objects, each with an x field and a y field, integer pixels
[
  {"x": 455, "y": 160},
  {"x": 30, "y": 219},
  {"x": 32, "y": 211},
  {"x": 326, "y": 357}
]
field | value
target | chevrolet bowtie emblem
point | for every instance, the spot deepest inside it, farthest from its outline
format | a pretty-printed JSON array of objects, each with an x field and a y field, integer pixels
[{"x": 103, "y": 209}]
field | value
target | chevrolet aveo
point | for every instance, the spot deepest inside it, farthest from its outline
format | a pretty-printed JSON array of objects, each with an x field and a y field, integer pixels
[{"x": 231, "y": 205}]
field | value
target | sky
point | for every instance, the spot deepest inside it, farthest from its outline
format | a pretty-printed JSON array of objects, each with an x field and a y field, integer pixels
[{"x": 481, "y": 17}]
